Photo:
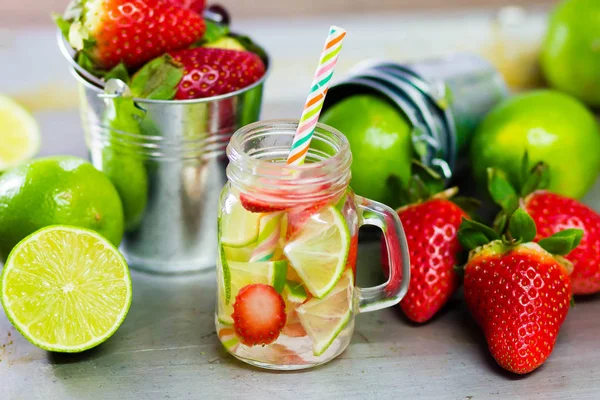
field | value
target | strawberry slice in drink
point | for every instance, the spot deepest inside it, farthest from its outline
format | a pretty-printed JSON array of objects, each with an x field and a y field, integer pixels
[{"x": 258, "y": 314}]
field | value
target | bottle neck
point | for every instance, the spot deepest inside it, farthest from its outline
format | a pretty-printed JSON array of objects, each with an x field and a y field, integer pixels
[{"x": 257, "y": 155}]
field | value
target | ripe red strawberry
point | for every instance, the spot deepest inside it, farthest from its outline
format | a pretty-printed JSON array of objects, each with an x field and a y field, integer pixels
[
  {"x": 520, "y": 296},
  {"x": 518, "y": 292},
  {"x": 553, "y": 213},
  {"x": 212, "y": 72},
  {"x": 431, "y": 230},
  {"x": 133, "y": 31},
  {"x": 194, "y": 5},
  {"x": 258, "y": 314}
]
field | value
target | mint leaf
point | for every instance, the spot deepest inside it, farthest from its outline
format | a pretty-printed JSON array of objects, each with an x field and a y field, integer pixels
[
  {"x": 521, "y": 226},
  {"x": 563, "y": 242},
  {"x": 158, "y": 79}
]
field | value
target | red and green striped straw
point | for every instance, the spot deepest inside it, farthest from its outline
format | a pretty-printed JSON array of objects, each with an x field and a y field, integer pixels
[{"x": 316, "y": 97}]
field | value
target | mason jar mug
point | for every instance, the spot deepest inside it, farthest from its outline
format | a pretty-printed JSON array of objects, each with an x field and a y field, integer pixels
[{"x": 288, "y": 242}]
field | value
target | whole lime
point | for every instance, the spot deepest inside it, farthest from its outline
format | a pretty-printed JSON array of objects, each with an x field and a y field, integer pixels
[
  {"x": 127, "y": 172},
  {"x": 552, "y": 127},
  {"x": 57, "y": 190},
  {"x": 571, "y": 50},
  {"x": 380, "y": 141}
]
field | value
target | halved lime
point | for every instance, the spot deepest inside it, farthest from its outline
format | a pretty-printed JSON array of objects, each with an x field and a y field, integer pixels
[
  {"x": 324, "y": 319},
  {"x": 66, "y": 289},
  {"x": 235, "y": 275},
  {"x": 239, "y": 227},
  {"x": 19, "y": 134},
  {"x": 318, "y": 252}
]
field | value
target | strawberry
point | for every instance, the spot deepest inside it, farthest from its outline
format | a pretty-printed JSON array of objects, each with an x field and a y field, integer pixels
[
  {"x": 551, "y": 214},
  {"x": 258, "y": 206},
  {"x": 258, "y": 314},
  {"x": 431, "y": 230},
  {"x": 131, "y": 31},
  {"x": 517, "y": 291},
  {"x": 212, "y": 72},
  {"x": 194, "y": 5}
]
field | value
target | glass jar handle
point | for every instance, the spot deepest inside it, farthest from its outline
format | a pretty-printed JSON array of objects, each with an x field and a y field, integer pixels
[{"x": 390, "y": 293}]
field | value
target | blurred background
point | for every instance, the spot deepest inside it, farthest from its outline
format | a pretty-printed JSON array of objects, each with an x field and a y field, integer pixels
[{"x": 35, "y": 12}]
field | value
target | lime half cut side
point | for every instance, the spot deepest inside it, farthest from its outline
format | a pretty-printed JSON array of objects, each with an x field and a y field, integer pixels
[
  {"x": 19, "y": 134},
  {"x": 234, "y": 275},
  {"x": 319, "y": 251},
  {"x": 324, "y": 319},
  {"x": 66, "y": 289}
]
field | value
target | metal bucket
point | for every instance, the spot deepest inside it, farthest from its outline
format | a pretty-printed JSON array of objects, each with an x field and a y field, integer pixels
[
  {"x": 175, "y": 160},
  {"x": 451, "y": 94}
]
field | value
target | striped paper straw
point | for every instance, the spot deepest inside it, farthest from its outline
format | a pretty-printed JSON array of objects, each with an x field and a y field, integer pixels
[
  {"x": 268, "y": 237},
  {"x": 316, "y": 97}
]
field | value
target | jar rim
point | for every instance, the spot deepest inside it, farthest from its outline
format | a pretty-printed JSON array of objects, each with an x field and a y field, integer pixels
[
  {"x": 236, "y": 153},
  {"x": 327, "y": 173}
]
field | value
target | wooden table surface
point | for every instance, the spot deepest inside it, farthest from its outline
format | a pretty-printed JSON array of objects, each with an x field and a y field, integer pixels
[{"x": 167, "y": 346}]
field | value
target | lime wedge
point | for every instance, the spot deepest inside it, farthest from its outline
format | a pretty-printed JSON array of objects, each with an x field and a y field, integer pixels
[
  {"x": 235, "y": 275},
  {"x": 324, "y": 319},
  {"x": 229, "y": 339},
  {"x": 318, "y": 252},
  {"x": 66, "y": 289},
  {"x": 239, "y": 227},
  {"x": 294, "y": 292},
  {"x": 240, "y": 254},
  {"x": 19, "y": 134}
]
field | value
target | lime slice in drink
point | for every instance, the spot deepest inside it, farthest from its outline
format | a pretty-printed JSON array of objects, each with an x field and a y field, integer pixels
[
  {"x": 324, "y": 319},
  {"x": 19, "y": 134},
  {"x": 318, "y": 252},
  {"x": 66, "y": 289},
  {"x": 239, "y": 227},
  {"x": 240, "y": 254},
  {"x": 229, "y": 339},
  {"x": 294, "y": 292},
  {"x": 235, "y": 275}
]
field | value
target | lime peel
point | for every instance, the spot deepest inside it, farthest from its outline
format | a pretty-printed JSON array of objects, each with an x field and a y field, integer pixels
[
  {"x": 318, "y": 253},
  {"x": 324, "y": 319}
]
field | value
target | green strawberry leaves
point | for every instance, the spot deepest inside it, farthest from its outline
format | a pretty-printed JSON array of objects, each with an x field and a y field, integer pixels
[
  {"x": 214, "y": 31},
  {"x": 563, "y": 242},
  {"x": 521, "y": 227},
  {"x": 424, "y": 184},
  {"x": 472, "y": 234},
  {"x": 63, "y": 25},
  {"x": 501, "y": 190},
  {"x": 158, "y": 79},
  {"x": 118, "y": 72},
  {"x": 538, "y": 178}
]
